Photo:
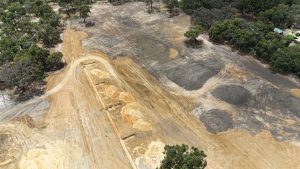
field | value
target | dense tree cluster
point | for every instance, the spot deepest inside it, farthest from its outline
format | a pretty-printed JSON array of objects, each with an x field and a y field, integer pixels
[
  {"x": 254, "y": 6},
  {"x": 183, "y": 157},
  {"x": 204, "y": 12},
  {"x": 248, "y": 25},
  {"x": 268, "y": 46},
  {"x": 27, "y": 28}
]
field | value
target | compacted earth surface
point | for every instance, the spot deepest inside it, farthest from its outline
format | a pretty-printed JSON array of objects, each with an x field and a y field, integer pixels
[{"x": 131, "y": 86}]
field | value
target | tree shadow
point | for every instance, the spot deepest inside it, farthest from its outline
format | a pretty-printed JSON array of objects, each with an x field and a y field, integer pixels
[{"x": 191, "y": 43}]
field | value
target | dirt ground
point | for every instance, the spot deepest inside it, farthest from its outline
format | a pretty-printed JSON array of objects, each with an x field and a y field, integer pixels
[{"x": 106, "y": 111}]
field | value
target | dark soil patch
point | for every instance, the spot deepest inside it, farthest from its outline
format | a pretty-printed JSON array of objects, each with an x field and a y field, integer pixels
[
  {"x": 216, "y": 121},
  {"x": 192, "y": 76},
  {"x": 233, "y": 94},
  {"x": 272, "y": 98}
]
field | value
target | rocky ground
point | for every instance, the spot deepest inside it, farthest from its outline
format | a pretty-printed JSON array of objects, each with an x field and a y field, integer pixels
[{"x": 134, "y": 87}]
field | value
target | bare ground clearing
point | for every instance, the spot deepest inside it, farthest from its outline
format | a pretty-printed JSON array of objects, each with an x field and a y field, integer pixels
[{"x": 103, "y": 113}]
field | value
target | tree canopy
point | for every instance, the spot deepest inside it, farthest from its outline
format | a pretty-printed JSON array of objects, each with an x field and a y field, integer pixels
[
  {"x": 28, "y": 28},
  {"x": 183, "y": 157},
  {"x": 194, "y": 32}
]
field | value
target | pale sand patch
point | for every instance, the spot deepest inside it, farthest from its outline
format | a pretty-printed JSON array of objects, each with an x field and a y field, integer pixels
[
  {"x": 58, "y": 155},
  {"x": 142, "y": 125},
  {"x": 126, "y": 97},
  {"x": 295, "y": 93},
  {"x": 173, "y": 53},
  {"x": 100, "y": 74},
  {"x": 132, "y": 113},
  {"x": 112, "y": 91},
  {"x": 152, "y": 157}
]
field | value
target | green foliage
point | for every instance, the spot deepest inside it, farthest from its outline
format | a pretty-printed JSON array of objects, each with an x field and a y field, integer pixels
[
  {"x": 287, "y": 60},
  {"x": 181, "y": 157},
  {"x": 49, "y": 35},
  {"x": 84, "y": 11},
  {"x": 224, "y": 31},
  {"x": 245, "y": 39},
  {"x": 25, "y": 24},
  {"x": 54, "y": 59},
  {"x": 280, "y": 15},
  {"x": 189, "y": 5},
  {"x": 255, "y": 32},
  {"x": 194, "y": 32},
  {"x": 206, "y": 17},
  {"x": 295, "y": 13},
  {"x": 290, "y": 38},
  {"x": 269, "y": 45},
  {"x": 254, "y": 6},
  {"x": 171, "y": 4}
]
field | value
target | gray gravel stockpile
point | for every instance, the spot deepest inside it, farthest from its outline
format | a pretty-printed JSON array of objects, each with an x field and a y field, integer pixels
[
  {"x": 216, "y": 121},
  {"x": 233, "y": 94}
]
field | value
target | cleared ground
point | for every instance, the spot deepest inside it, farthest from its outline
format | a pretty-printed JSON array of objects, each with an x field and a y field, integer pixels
[{"x": 112, "y": 111}]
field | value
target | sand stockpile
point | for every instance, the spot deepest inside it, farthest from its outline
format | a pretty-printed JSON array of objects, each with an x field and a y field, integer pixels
[
  {"x": 126, "y": 97},
  {"x": 132, "y": 113}
]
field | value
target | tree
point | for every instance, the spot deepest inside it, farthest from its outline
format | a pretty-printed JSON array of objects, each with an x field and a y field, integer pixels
[
  {"x": 268, "y": 45},
  {"x": 150, "y": 3},
  {"x": 19, "y": 73},
  {"x": 181, "y": 157},
  {"x": 24, "y": 24},
  {"x": 295, "y": 12},
  {"x": 189, "y": 6},
  {"x": 171, "y": 4},
  {"x": 287, "y": 60},
  {"x": 254, "y": 6},
  {"x": 54, "y": 61},
  {"x": 194, "y": 32},
  {"x": 245, "y": 39},
  {"x": 49, "y": 35},
  {"x": 206, "y": 17},
  {"x": 84, "y": 11},
  {"x": 280, "y": 15},
  {"x": 67, "y": 4},
  {"x": 224, "y": 31}
]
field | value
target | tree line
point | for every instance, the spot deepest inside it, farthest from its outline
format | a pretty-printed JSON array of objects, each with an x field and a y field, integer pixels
[{"x": 248, "y": 25}]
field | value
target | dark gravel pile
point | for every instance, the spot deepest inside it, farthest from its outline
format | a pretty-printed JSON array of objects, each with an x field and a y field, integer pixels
[
  {"x": 216, "y": 121},
  {"x": 233, "y": 94}
]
